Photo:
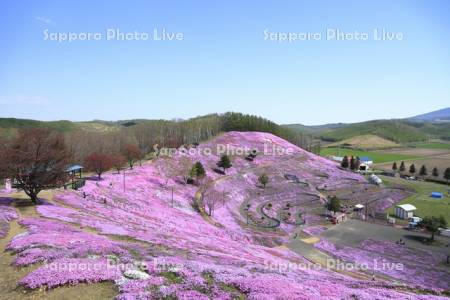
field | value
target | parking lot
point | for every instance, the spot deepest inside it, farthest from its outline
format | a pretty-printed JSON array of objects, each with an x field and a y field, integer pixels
[{"x": 353, "y": 232}]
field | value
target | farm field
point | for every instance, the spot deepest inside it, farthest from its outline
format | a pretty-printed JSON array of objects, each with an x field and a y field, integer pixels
[
  {"x": 433, "y": 145},
  {"x": 418, "y": 152},
  {"x": 377, "y": 156},
  {"x": 429, "y": 154},
  {"x": 426, "y": 206},
  {"x": 440, "y": 162},
  {"x": 367, "y": 142}
]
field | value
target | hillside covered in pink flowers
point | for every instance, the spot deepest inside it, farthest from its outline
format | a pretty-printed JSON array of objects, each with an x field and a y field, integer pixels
[{"x": 156, "y": 237}]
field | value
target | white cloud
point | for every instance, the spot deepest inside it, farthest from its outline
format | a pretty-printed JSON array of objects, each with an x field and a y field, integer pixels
[
  {"x": 44, "y": 20},
  {"x": 24, "y": 100}
]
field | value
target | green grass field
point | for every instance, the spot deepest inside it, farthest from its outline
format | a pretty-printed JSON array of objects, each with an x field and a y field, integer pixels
[
  {"x": 433, "y": 145},
  {"x": 378, "y": 157},
  {"x": 426, "y": 206}
]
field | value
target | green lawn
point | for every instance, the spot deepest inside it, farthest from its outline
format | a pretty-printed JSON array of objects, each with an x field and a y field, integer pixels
[
  {"x": 378, "y": 157},
  {"x": 426, "y": 206},
  {"x": 433, "y": 145}
]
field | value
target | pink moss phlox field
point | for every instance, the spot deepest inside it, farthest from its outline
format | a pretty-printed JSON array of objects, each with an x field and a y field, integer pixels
[
  {"x": 49, "y": 240},
  {"x": 413, "y": 266},
  {"x": 189, "y": 255},
  {"x": 70, "y": 271},
  {"x": 139, "y": 289},
  {"x": 7, "y": 214}
]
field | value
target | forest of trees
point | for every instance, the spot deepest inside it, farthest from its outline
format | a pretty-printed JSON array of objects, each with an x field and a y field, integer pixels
[{"x": 148, "y": 133}]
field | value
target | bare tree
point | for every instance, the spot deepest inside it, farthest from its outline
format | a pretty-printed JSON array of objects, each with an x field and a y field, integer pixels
[
  {"x": 210, "y": 200},
  {"x": 35, "y": 160},
  {"x": 132, "y": 154},
  {"x": 118, "y": 161},
  {"x": 99, "y": 163},
  {"x": 185, "y": 166},
  {"x": 167, "y": 169}
]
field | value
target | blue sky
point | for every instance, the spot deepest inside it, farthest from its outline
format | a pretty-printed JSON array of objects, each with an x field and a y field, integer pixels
[{"x": 223, "y": 62}]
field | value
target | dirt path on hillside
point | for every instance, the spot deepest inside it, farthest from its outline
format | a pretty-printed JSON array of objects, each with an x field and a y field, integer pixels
[{"x": 10, "y": 275}]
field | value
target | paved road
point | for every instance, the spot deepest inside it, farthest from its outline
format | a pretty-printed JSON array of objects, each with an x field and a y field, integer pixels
[
  {"x": 353, "y": 232},
  {"x": 308, "y": 251}
]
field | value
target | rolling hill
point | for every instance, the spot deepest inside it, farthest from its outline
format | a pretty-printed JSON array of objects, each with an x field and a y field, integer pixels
[
  {"x": 13, "y": 123},
  {"x": 442, "y": 115},
  {"x": 366, "y": 141},
  {"x": 398, "y": 131},
  {"x": 315, "y": 129},
  {"x": 60, "y": 125},
  {"x": 392, "y": 130}
]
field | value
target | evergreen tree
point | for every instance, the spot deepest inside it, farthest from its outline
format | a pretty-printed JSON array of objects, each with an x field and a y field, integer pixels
[
  {"x": 344, "y": 162},
  {"x": 402, "y": 167},
  {"x": 447, "y": 174},
  {"x": 432, "y": 224},
  {"x": 412, "y": 169},
  {"x": 224, "y": 162},
  {"x": 394, "y": 166},
  {"x": 435, "y": 172},
  {"x": 352, "y": 163},
  {"x": 193, "y": 172},
  {"x": 232, "y": 121},
  {"x": 357, "y": 163},
  {"x": 423, "y": 171},
  {"x": 200, "y": 171},
  {"x": 334, "y": 204},
  {"x": 197, "y": 171},
  {"x": 263, "y": 179}
]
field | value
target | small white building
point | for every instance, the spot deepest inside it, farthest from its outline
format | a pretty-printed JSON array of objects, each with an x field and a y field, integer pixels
[{"x": 405, "y": 211}]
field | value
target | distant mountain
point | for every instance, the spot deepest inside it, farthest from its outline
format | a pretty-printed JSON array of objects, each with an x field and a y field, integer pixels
[
  {"x": 398, "y": 131},
  {"x": 314, "y": 129},
  {"x": 61, "y": 125},
  {"x": 438, "y": 116}
]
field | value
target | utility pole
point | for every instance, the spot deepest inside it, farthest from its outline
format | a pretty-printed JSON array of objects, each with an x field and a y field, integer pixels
[
  {"x": 124, "y": 180},
  {"x": 367, "y": 211},
  {"x": 246, "y": 211},
  {"x": 448, "y": 254}
]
